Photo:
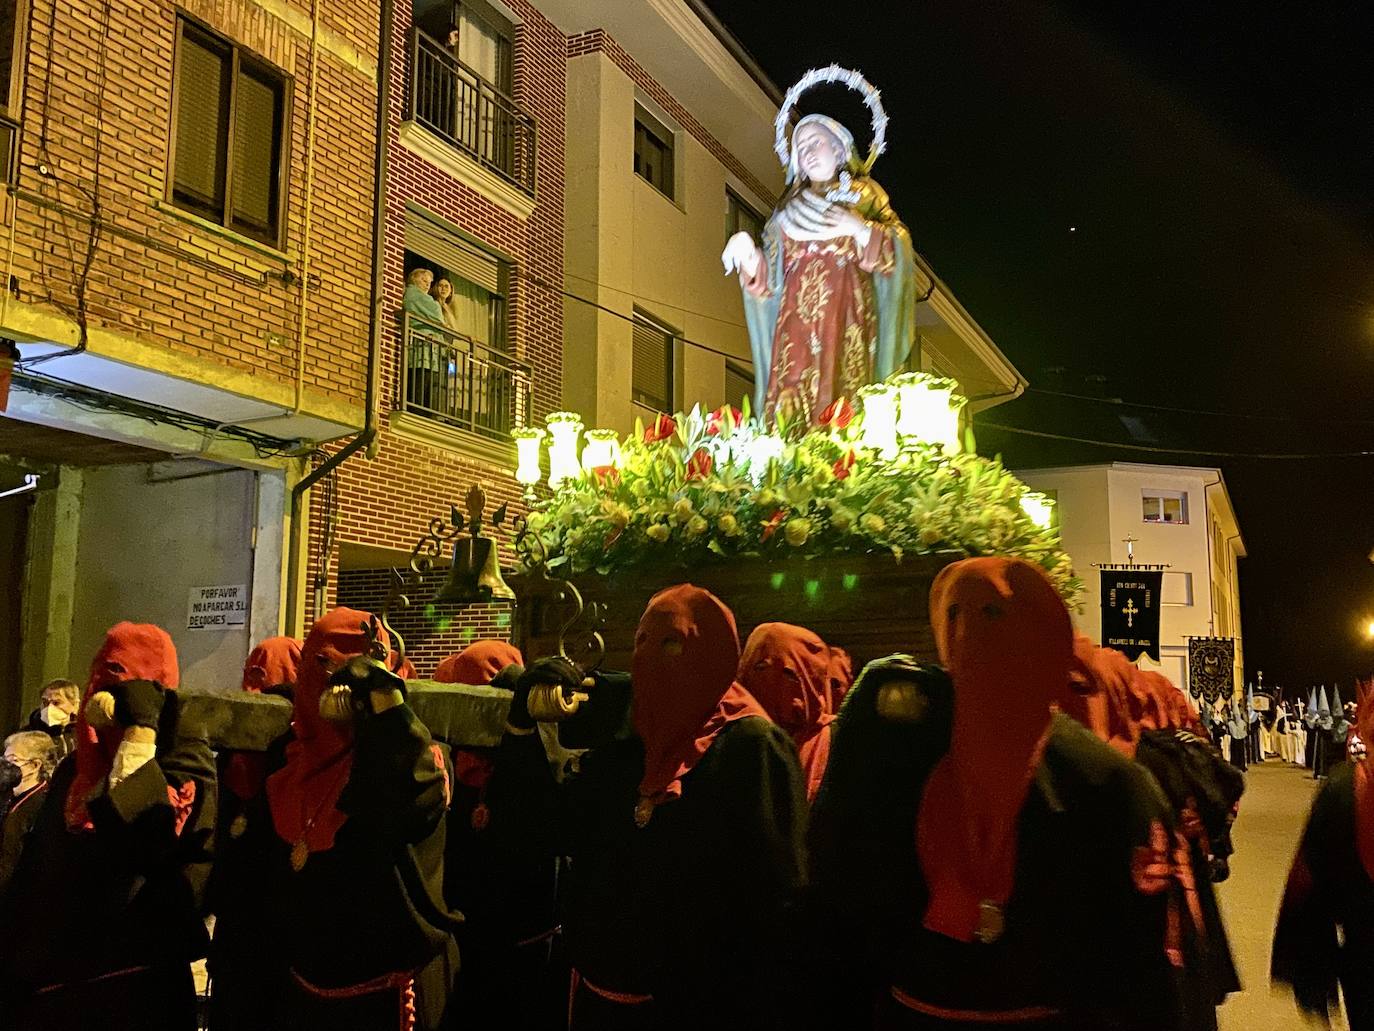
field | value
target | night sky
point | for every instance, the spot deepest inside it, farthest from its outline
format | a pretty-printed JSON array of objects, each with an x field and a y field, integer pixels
[{"x": 1216, "y": 165}]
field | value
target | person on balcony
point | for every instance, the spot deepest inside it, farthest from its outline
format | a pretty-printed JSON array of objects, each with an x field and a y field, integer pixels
[
  {"x": 426, "y": 355},
  {"x": 442, "y": 292}
]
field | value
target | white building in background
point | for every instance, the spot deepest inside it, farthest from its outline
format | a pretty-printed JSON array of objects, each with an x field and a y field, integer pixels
[{"x": 1180, "y": 516}]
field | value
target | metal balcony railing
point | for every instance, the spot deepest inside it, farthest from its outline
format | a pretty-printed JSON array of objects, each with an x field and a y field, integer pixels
[
  {"x": 453, "y": 101},
  {"x": 456, "y": 380}
]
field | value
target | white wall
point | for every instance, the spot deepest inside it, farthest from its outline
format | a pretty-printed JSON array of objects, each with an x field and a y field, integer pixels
[{"x": 144, "y": 545}]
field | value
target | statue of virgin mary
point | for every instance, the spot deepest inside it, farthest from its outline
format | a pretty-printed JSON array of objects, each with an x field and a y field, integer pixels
[{"x": 829, "y": 292}]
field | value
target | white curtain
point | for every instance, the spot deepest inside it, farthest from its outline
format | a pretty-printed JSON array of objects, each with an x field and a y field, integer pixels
[
  {"x": 479, "y": 49},
  {"x": 471, "y": 308}
]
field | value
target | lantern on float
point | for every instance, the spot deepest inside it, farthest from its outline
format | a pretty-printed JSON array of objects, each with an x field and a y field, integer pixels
[
  {"x": 528, "y": 440},
  {"x": 1039, "y": 508},
  {"x": 601, "y": 449},
  {"x": 928, "y": 410},
  {"x": 565, "y": 428},
  {"x": 879, "y": 402}
]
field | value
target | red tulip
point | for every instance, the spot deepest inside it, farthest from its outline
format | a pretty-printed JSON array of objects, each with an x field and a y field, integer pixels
[
  {"x": 662, "y": 428},
  {"x": 606, "y": 475},
  {"x": 836, "y": 415},
  {"x": 715, "y": 422},
  {"x": 845, "y": 464},
  {"x": 771, "y": 526},
  {"x": 699, "y": 466}
]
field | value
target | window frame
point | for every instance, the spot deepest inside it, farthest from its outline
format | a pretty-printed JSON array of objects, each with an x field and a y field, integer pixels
[
  {"x": 656, "y": 130},
  {"x": 1161, "y": 495},
  {"x": 239, "y": 58},
  {"x": 503, "y": 28},
  {"x": 734, "y": 204},
  {"x": 744, "y": 372},
  {"x": 671, "y": 363}
]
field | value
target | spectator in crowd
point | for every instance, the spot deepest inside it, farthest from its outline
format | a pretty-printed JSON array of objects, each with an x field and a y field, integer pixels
[
  {"x": 24, "y": 771},
  {"x": 58, "y": 703},
  {"x": 442, "y": 292}
]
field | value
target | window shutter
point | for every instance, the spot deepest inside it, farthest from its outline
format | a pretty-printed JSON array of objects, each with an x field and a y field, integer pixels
[
  {"x": 739, "y": 384},
  {"x": 428, "y": 239},
  {"x": 256, "y": 116},
  {"x": 651, "y": 365},
  {"x": 202, "y": 95}
]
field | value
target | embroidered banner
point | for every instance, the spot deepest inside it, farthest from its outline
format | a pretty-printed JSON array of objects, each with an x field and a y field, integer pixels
[
  {"x": 1130, "y": 611},
  {"x": 1211, "y": 667}
]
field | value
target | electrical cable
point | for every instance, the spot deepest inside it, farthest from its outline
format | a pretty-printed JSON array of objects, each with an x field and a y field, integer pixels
[
  {"x": 1264, "y": 416},
  {"x": 1149, "y": 449}
]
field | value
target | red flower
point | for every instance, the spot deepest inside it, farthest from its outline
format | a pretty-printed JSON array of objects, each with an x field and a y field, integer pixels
[
  {"x": 845, "y": 464},
  {"x": 606, "y": 475},
  {"x": 836, "y": 415},
  {"x": 715, "y": 422},
  {"x": 771, "y": 526},
  {"x": 663, "y": 428},
  {"x": 699, "y": 466}
]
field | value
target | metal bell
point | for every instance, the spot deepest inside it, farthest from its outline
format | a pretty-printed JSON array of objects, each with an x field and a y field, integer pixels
[{"x": 475, "y": 574}]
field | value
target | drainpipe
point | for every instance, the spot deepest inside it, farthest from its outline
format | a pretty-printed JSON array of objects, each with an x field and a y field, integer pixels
[{"x": 367, "y": 437}]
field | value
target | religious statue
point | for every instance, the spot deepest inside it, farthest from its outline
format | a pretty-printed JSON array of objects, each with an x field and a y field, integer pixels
[{"x": 829, "y": 292}]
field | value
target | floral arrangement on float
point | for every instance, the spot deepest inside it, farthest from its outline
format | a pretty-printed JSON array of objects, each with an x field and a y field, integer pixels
[{"x": 888, "y": 473}]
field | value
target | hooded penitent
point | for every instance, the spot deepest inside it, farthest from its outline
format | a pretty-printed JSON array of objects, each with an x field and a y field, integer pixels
[
  {"x": 1364, "y": 778},
  {"x": 791, "y": 672},
  {"x": 1159, "y": 700},
  {"x": 478, "y": 663},
  {"x": 1006, "y": 639},
  {"x": 303, "y": 793},
  {"x": 685, "y": 693},
  {"x": 132, "y": 651},
  {"x": 272, "y": 667},
  {"x": 1099, "y": 694}
]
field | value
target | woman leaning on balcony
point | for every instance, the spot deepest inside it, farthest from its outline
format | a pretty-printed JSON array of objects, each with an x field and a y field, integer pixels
[{"x": 425, "y": 354}]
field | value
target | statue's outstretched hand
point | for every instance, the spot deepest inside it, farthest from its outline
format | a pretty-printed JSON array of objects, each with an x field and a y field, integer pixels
[{"x": 741, "y": 255}]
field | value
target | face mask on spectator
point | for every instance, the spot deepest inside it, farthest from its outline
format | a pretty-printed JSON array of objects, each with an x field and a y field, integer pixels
[
  {"x": 10, "y": 776},
  {"x": 53, "y": 715}
]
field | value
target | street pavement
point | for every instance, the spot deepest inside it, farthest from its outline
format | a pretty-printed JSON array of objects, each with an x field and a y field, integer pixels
[{"x": 1272, "y": 814}]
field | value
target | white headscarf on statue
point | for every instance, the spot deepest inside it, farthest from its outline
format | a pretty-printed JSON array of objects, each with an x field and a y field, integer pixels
[{"x": 800, "y": 217}]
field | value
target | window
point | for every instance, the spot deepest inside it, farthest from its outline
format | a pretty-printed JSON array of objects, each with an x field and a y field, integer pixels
[
  {"x": 1164, "y": 506},
  {"x": 652, "y": 364},
  {"x": 739, "y": 384},
  {"x": 1177, "y": 588},
  {"x": 653, "y": 152},
  {"x": 740, "y": 217},
  {"x": 227, "y": 135},
  {"x": 479, "y": 279},
  {"x": 12, "y": 15}
]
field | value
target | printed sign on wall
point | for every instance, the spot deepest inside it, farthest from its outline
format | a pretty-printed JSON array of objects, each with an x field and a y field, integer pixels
[{"x": 217, "y": 608}]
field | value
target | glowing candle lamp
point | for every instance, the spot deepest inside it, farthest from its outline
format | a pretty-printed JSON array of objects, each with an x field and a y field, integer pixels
[
  {"x": 602, "y": 449},
  {"x": 1038, "y": 507},
  {"x": 565, "y": 428},
  {"x": 528, "y": 440},
  {"x": 928, "y": 410},
  {"x": 880, "y": 418}
]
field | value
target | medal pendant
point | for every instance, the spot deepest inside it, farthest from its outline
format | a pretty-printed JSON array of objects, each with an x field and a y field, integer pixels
[
  {"x": 238, "y": 826},
  {"x": 991, "y": 922},
  {"x": 644, "y": 809},
  {"x": 300, "y": 852},
  {"x": 481, "y": 816}
]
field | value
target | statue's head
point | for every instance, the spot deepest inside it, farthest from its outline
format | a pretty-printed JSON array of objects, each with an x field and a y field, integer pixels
[{"x": 821, "y": 147}]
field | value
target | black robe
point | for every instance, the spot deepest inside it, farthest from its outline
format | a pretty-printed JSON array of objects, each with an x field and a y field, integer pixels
[
  {"x": 100, "y": 927},
  {"x": 20, "y": 815},
  {"x": 1203, "y": 791},
  {"x": 371, "y": 908},
  {"x": 1325, "y": 932},
  {"x": 1081, "y": 938},
  {"x": 248, "y": 963},
  {"x": 696, "y": 908}
]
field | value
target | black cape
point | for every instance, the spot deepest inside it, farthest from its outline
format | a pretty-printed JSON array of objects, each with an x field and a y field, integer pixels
[{"x": 1081, "y": 937}]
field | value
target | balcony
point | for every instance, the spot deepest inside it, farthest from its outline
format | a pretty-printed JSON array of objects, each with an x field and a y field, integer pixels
[
  {"x": 461, "y": 383},
  {"x": 470, "y": 114}
]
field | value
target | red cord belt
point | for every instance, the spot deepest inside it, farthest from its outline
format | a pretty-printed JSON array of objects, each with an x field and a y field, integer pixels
[{"x": 1025, "y": 1015}]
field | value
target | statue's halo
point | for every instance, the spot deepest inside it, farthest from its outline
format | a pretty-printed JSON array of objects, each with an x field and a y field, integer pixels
[{"x": 855, "y": 81}]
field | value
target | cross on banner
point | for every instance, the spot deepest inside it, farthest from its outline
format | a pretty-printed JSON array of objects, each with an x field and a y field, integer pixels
[{"x": 1131, "y": 612}]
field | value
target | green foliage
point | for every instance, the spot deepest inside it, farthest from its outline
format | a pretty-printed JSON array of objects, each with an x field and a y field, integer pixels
[{"x": 820, "y": 493}]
